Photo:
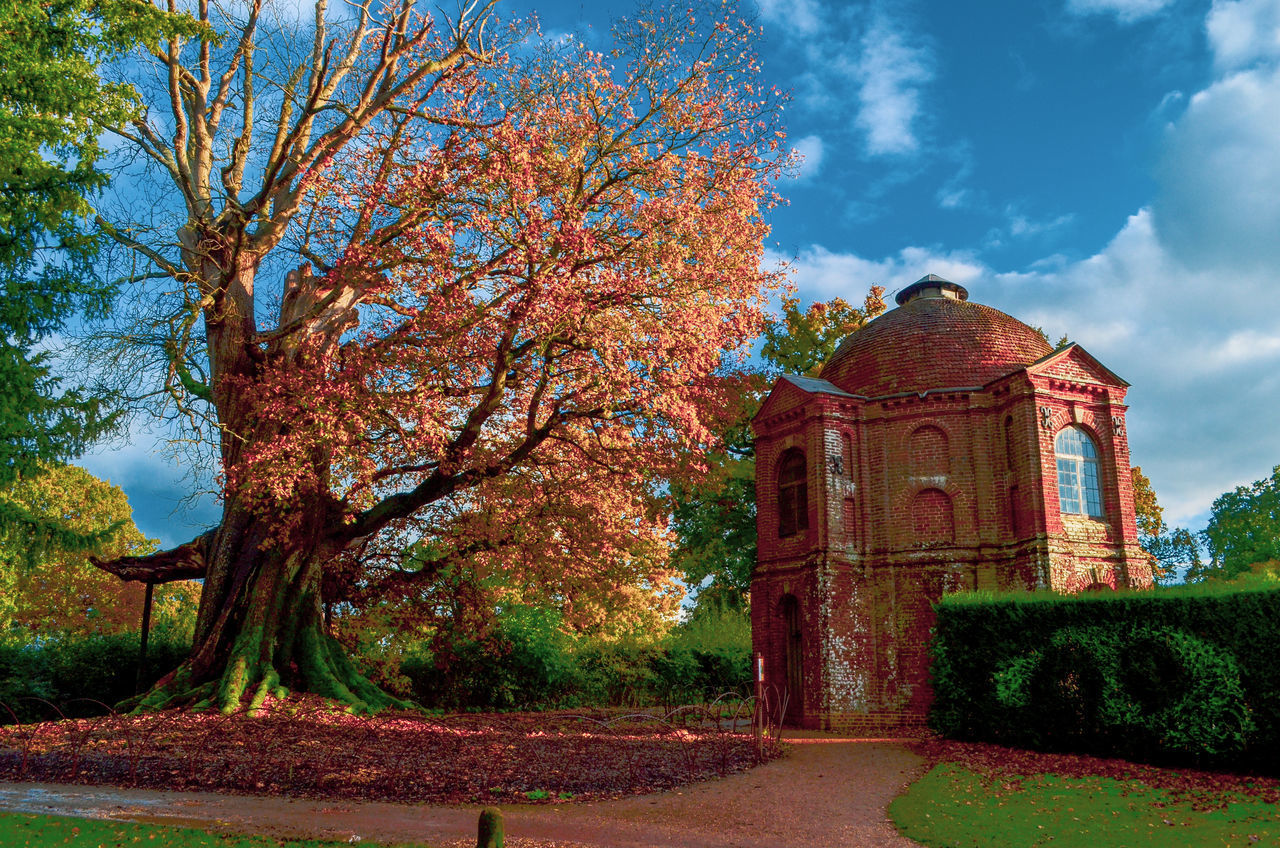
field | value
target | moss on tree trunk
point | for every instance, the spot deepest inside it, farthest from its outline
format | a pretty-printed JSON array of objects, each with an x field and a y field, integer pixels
[{"x": 260, "y": 631}]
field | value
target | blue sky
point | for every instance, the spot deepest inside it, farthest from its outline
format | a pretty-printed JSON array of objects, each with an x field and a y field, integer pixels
[{"x": 1105, "y": 169}]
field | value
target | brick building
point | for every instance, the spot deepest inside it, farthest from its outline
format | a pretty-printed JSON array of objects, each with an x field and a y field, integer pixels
[{"x": 944, "y": 446}]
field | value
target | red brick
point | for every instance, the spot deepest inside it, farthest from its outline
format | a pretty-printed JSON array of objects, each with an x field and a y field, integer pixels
[{"x": 929, "y": 470}]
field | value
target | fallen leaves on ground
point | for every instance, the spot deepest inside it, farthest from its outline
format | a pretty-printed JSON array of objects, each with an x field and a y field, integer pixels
[
  {"x": 309, "y": 751},
  {"x": 1205, "y": 790}
]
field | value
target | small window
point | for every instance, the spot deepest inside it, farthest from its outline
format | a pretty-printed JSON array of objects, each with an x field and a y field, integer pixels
[
  {"x": 793, "y": 494},
  {"x": 1078, "y": 489}
]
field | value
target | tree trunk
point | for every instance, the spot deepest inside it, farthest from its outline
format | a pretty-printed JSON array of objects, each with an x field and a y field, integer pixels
[{"x": 260, "y": 630}]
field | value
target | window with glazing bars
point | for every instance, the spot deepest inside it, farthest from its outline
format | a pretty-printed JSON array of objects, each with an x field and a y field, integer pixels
[
  {"x": 1079, "y": 492},
  {"x": 793, "y": 494}
]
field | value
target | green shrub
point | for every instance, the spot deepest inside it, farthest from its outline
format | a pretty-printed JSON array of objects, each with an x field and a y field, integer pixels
[
  {"x": 79, "y": 674},
  {"x": 621, "y": 673},
  {"x": 719, "y": 641},
  {"x": 1073, "y": 689},
  {"x": 1171, "y": 675},
  {"x": 528, "y": 662},
  {"x": 1187, "y": 696},
  {"x": 678, "y": 674}
]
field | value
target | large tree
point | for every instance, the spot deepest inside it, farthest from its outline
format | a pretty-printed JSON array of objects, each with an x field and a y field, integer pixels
[
  {"x": 1171, "y": 550},
  {"x": 523, "y": 265}
]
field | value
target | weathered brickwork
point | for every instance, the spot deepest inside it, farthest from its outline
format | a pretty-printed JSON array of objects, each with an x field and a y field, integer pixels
[{"x": 930, "y": 466}]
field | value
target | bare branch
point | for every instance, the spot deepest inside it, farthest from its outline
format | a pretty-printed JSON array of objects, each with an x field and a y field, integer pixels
[{"x": 160, "y": 261}]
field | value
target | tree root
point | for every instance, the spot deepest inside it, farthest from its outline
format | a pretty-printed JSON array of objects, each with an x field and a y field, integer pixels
[{"x": 323, "y": 669}]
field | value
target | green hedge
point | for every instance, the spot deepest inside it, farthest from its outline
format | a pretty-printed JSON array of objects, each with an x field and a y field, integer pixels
[
  {"x": 77, "y": 672},
  {"x": 1183, "y": 674}
]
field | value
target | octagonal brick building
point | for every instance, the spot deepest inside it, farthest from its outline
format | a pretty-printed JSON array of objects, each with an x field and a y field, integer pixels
[{"x": 945, "y": 446}]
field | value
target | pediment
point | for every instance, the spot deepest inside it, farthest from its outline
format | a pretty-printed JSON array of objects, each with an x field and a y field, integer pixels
[
  {"x": 1075, "y": 364},
  {"x": 791, "y": 392}
]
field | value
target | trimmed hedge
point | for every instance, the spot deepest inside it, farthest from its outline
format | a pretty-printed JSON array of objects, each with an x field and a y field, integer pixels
[{"x": 1182, "y": 674}]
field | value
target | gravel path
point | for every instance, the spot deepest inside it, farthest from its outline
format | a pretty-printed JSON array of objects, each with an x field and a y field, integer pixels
[{"x": 826, "y": 791}]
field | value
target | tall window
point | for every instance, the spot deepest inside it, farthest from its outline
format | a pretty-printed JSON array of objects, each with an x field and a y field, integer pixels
[
  {"x": 793, "y": 494},
  {"x": 1078, "y": 489}
]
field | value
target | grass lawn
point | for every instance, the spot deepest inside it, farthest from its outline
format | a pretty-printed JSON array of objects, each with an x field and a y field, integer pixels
[
  {"x": 23, "y": 831},
  {"x": 953, "y": 806}
]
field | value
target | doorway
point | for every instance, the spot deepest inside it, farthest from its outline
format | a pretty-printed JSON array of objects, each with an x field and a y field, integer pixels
[{"x": 793, "y": 659}]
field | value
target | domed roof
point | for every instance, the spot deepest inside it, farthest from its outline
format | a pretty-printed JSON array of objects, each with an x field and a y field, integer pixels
[{"x": 935, "y": 339}]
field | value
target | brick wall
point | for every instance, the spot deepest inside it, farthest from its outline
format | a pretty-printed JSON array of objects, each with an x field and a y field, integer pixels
[{"x": 914, "y": 496}]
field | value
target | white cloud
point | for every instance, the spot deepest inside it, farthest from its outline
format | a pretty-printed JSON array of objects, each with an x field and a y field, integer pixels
[
  {"x": 1022, "y": 225},
  {"x": 800, "y": 17},
  {"x": 1246, "y": 347},
  {"x": 821, "y": 274},
  {"x": 1126, "y": 11},
  {"x": 890, "y": 71},
  {"x": 1219, "y": 201},
  {"x": 859, "y": 48},
  {"x": 1242, "y": 32},
  {"x": 1199, "y": 352},
  {"x": 955, "y": 193},
  {"x": 811, "y": 150}
]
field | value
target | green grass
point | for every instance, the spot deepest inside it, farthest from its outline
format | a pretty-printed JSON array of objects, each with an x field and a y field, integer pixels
[
  {"x": 952, "y": 806},
  {"x": 18, "y": 830}
]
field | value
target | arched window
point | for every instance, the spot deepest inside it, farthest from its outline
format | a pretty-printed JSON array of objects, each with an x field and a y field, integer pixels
[
  {"x": 1078, "y": 489},
  {"x": 793, "y": 494}
]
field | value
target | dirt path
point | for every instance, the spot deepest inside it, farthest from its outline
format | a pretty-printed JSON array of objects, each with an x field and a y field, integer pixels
[{"x": 826, "y": 791}]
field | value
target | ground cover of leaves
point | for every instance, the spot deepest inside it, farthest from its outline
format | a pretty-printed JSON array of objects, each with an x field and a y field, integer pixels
[{"x": 304, "y": 750}]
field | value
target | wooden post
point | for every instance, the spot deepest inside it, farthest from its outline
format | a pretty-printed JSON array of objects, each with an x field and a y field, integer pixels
[
  {"x": 142, "y": 645},
  {"x": 758, "y": 714},
  {"x": 491, "y": 830}
]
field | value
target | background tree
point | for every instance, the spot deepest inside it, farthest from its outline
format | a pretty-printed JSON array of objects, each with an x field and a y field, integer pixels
[
  {"x": 55, "y": 590},
  {"x": 1243, "y": 533},
  {"x": 1171, "y": 551},
  {"x": 522, "y": 263},
  {"x": 615, "y": 580},
  {"x": 802, "y": 341},
  {"x": 715, "y": 522},
  {"x": 53, "y": 106}
]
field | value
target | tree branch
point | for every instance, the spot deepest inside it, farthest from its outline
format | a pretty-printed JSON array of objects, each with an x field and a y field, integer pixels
[{"x": 185, "y": 562}]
